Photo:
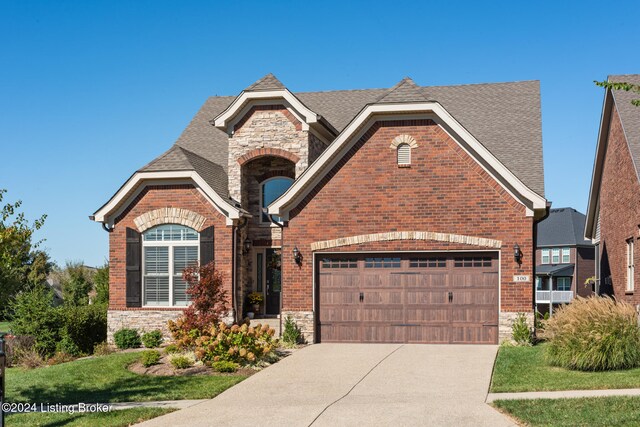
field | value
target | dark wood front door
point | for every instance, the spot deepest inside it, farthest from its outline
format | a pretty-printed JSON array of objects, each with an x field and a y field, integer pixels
[
  {"x": 273, "y": 281},
  {"x": 409, "y": 298}
]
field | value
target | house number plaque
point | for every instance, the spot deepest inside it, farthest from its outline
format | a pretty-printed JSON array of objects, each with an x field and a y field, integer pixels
[{"x": 521, "y": 278}]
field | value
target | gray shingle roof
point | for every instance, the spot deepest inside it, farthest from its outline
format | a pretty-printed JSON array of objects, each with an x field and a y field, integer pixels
[
  {"x": 504, "y": 117},
  {"x": 563, "y": 226},
  {"x": 555, "y": 270},
  {"x": 268, "y": 82},
  {"x": 629, "y": 114}
]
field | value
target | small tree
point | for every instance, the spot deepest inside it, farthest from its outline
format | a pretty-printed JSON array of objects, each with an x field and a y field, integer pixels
[
  {"x": 205, "y": 287},
  {"x": 76, "y": 282},
  {"x": 101, "y": 283}
]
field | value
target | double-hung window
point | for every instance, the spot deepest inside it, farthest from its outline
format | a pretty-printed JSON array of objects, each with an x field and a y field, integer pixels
[
  {"x": 167, "y": 250},
  {"x": 630, "y": 266},
  {"x": 566, "y": 255},
  {"x": 546, "y": 256},
  {"x": 555, "y": 256},
  {"x": 563, "y": 283}
]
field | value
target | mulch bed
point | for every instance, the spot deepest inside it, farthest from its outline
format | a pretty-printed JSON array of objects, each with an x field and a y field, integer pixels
[{"x": 164, "y": 368}]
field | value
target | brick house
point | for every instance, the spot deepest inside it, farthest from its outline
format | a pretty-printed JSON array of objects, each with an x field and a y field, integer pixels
[
  {"x": 613, "y": 215},
  {"x": 381, "y": 215},
  {"x": 564, "y": 259}
]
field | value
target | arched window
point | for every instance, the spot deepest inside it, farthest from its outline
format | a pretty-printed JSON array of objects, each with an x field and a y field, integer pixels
[
  {"x": 167, "y": 250},
  {"x": 270, "y": 190},
  {"x": 404, "y": 154}
]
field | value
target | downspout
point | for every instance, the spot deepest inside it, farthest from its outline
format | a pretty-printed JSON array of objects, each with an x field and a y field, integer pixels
[
  {"x": 535, "y": 241},
  {"x": 234, "y": 281},
  {"x": 281, "y": 226}
]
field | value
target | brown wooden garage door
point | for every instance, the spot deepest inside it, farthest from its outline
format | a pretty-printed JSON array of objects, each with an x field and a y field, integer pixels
[{"x": 448, "y": 298}]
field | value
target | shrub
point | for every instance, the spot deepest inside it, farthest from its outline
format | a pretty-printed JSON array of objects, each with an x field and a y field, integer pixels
[
  {"x": 171, "y": 348},
  {"x": 241, "y": 344},
  {"x": 102, "y": 349},
  {"x": 205, "y": 287},
  {"x": 60, "y": 357},
  {"x": 127, "y": 338},
  {"x": 67, "y": 346},
  {"x": 31, "y": 359},
  {"x": 84, "y": 325},
  {"x": 224, "y": 366},
  {"x": 540, "y": 321},
  {"x": 150, "y": 358},
  {"x": 594, "y": 334},
  {"x": 182, "y": 360},
  {"x": 33, "y": 314},
  {"x": 291, "y": 334},
  {"x": 16, "y": 347},
  {"x": 152, "y": 339},
  {"x": 520, "y": 330}
]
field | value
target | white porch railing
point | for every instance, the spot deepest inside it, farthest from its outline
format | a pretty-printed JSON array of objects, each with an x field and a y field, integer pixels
[{"x": 554, "y": 296}]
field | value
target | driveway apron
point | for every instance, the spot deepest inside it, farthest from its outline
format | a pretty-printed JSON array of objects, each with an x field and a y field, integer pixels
[{"x": 358, "y": 384}]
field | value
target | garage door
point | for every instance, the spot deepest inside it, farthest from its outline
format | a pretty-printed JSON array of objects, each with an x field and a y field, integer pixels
[{"x": 408, "y": 298}]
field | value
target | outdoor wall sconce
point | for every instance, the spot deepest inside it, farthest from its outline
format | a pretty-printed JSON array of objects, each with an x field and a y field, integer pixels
[
  {"x": 517, "y": 253},
  {"x": 297, "y": 255},
  {"x": 247, "y": 245}
]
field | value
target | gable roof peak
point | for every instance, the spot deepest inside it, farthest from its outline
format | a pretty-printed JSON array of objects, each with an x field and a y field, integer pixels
[
  {"x": 268, "y": 82},
  {"x": 406, "y": 90}
]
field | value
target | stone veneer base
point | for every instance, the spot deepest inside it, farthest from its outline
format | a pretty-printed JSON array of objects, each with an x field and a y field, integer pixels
[
  {"x": 506, "y": 321},
  {"x": 142, "y": 320},
  {"x": 304, "y": 320}
]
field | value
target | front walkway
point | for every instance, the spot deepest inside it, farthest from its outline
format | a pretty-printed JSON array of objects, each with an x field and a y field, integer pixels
[{"x": 358, "y": 384}]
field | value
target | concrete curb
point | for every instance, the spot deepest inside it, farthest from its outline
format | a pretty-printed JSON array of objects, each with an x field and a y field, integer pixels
[{"x": 565, "y": 394}]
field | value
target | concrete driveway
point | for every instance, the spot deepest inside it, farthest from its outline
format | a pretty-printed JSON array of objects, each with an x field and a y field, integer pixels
[{"x": 358, "y": 384}]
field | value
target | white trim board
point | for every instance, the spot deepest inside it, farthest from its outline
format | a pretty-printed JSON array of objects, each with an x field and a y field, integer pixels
[
  {"x": 534, "y": 203},
  {"x": 140, "y": 180}
]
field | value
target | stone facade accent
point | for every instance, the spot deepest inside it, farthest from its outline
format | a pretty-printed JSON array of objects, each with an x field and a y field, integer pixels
[
  {"x": 304, "y": 320},
  {"x": 169, "y": 216},
  {"x": 272, "y": 128},
  {"x": 404, "y": 139},
  {"x": 506, "y": 320},
  {"x": 406, "y": 235},
  {"x": 142, "y": 320}
]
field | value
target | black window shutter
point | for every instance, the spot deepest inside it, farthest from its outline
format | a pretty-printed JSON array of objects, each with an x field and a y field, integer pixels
[
  {"x": 134, "y": 268},
  {"x": 206, "y": 246}
]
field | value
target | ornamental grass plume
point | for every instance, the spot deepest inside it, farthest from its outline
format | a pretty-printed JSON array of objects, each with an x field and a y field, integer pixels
[{"x": 593, "y": 334}]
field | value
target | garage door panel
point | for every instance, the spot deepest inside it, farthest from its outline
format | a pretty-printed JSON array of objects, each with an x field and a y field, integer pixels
[
  {"x": 383, "y": 314},
  {"x": 385, "y": 333},
  {"x": 437, "y": 334},
  {"x": 441, "y": 298},
  {"x": 432, "y": 314}
]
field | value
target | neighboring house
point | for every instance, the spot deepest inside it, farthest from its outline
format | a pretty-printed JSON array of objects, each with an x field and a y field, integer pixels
[
  {"x": 382, "y": 215},
  {"x": 565, "y": 260},
  {"x": 613, "y": 215}
]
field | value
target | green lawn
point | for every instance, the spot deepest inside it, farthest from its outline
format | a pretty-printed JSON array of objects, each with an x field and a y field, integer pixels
[
  {"x": 592, "y": 411},
  {"x": 5, "y": 326},
  {"x": 114, "y": 418},
  {"x": 106, "y": 379},
  {"x": 524, "y": 369}
]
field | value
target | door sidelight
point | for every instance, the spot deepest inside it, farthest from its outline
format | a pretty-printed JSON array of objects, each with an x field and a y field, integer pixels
[
  {"x": 361, "y": 296},
  {"x": 450, "y": 296}
]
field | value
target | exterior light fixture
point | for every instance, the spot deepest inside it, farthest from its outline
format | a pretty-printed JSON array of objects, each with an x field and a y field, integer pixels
[
  {"x": 247, "y": 245},
  {"x": 297, "y": 255},
  {"x": 517, "y": 253}
]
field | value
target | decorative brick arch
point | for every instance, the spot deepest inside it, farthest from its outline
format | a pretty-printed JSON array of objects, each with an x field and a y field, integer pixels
[
  {"x": 262, "y": 152},
  {"x": 407, "y": 235},
  {"x": 169, "y": 216}
]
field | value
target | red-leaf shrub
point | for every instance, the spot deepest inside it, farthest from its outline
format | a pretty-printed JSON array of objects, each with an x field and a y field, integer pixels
[{"x": 205, "y": 287}]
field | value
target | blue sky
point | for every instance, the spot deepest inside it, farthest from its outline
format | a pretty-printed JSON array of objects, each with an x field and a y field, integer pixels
[{"x": 91, "y": 91}]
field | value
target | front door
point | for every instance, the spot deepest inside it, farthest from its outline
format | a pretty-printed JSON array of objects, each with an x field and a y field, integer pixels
[{"x": 273, "y": 281}]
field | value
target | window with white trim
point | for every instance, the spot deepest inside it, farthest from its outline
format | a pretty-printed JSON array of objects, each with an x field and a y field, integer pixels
[
  {"x": 555, "y": 256},
  {"x": 563, "y": 283},
  {"x": 167, "y": 250},
  {"x": 546, "y": 256},
  {"x": 630, "y": 266},
  {"x": 566, "y": 255},
  {"x": 270, "y": 190},
  {"x": 404, "y": 154}
]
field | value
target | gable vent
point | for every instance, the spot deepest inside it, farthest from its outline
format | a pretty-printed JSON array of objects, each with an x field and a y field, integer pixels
[{"x": 404, "y": 154}]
